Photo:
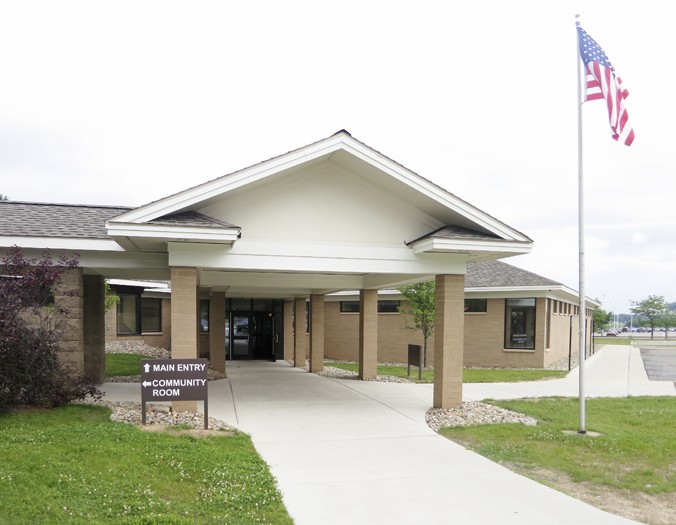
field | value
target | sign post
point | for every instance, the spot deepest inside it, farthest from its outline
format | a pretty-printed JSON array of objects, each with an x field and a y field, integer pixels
[{"x": 174, "y": 380}]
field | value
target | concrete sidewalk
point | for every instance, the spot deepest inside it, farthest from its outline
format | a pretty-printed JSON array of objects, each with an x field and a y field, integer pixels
[{"x": 346, "y": 451}]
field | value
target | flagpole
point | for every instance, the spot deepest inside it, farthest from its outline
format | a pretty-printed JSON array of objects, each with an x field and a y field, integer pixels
[{"x": 580, "y": 205}]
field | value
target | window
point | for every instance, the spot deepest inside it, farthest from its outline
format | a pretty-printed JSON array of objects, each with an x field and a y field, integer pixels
[
  {"x": 349, "y": 307},
  {"x": 387, "y": 306},
  {"x": 204, "y": 315},
  {"x": 151, "y": 314},
  {"x": 475, "y": 305},
  {"x": 136, "y": 315},
  {"x": 128, "y": 315},
  {"x": 520, "y": 323}
]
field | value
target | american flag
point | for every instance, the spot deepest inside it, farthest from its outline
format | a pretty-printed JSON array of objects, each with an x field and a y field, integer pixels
[{"x": 602, "y": 83}]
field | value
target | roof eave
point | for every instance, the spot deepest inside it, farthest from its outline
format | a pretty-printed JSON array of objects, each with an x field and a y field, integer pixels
[
  {"x": 210, "y": 234},
  {"x": 437, "y": 245}
]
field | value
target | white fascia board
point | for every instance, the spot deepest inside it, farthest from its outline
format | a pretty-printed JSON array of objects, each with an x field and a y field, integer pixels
[
  {"x": 163, "y": 231},
  {"x": 470, "y": 246},
  {"x": 232, "y": 181},
  {"x": 61, "y": 243}
]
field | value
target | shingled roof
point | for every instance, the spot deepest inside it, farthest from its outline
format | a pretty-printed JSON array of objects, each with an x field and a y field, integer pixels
[
  {"x": 30, "y": 219},
  {"x": 497, "y": 274}
]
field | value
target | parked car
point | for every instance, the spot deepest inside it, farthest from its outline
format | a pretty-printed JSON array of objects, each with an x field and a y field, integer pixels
[{"x": 612, "y": 333}]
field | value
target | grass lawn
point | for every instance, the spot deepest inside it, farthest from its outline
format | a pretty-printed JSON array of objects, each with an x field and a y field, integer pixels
[
  {"x": 470, "y": 375},
  {"x": 72, "y": 465},
  {"x": 625, "y": 341},
  {"x": 124, "y": 364},
  {"x": 635, "y": 455}
]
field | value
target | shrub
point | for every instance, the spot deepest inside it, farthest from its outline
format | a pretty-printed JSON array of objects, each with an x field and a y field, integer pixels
[{"x": 30, "y": 324}]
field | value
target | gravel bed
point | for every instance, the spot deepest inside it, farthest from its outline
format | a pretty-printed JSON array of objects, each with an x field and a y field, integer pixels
[
  {"x": 136, "y": 347},
  {"x": 332, "y": 372},
  {"x": 474, "y": 413},
  {"x": 159, "y": 416}
]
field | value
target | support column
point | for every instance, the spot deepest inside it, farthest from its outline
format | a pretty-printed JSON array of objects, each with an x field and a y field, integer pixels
[
  {"x": 94, "y": 328},
  {"x": 288, "y": 330},
  {"x": 448, "y": 340},
  {"x": 316, "y": 333},
  {"x": 217, "y": 331},
  {"x": 184, "y": 322},
  {"x": 368, "y": 334},
  {"x": 299, "y": 337}
]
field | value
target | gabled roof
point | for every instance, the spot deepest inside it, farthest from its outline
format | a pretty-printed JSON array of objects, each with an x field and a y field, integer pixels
[{"x": 463, "y": 221}]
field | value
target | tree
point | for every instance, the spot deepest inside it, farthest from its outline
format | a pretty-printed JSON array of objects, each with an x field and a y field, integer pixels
[
  {"x": 652, "y": 308},
  {"x": 419, "y": 310},
  {"x": 602, "y": 319},
  {"x": 668, "y": 320},
  {"x": 3, "y": 197},
  {"x": 30, "y": 324}
]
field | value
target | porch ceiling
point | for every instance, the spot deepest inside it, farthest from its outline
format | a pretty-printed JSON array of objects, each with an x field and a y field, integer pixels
[{"x": 278, "y": 285}]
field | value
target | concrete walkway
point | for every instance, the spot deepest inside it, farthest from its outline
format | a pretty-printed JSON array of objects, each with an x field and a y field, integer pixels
[{"x": 346, "y": 451}]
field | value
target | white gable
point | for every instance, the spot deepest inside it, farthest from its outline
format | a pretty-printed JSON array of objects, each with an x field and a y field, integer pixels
[{"x": 336, "y": 207}]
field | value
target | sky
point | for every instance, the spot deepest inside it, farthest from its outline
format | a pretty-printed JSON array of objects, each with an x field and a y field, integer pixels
[{"x": 126, "y": 102}]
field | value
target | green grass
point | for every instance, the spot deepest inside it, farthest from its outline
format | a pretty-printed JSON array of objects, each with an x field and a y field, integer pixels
[
  {"x": 636, "y": 451},
  {"x": 72, "y": 465},
  {"x": 470, "y": 375},
  {"x": 124, "y": 364},
  {"x": 625, "y": 341}
]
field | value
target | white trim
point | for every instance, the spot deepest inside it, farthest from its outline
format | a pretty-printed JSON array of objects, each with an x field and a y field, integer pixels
[
  {"x": 162, "y": 231},
  {"x": 437, "y": 245}
]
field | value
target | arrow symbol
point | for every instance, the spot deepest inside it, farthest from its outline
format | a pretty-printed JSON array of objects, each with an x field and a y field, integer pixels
[
  {"x": 146, "y": 383},
  {"x": 147, "y": 367}
]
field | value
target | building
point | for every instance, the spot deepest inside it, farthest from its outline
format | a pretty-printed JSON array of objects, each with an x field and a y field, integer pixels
[
  {"x": 512, "y": 318},
  {"x": 331, "y": 216}
]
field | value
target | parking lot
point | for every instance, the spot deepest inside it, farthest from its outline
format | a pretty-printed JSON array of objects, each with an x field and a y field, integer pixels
[{"x": 660, "y": 363}]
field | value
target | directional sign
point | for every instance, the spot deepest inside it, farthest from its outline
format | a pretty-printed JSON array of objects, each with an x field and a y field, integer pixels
[{"x": 174, "y": 379}]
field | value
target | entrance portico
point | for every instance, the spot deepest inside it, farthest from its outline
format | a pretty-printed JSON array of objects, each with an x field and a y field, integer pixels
[{"x": 332, "y": 216}]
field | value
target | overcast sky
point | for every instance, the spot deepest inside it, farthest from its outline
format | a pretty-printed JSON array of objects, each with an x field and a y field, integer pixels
[{"x": 126, "y": 102}]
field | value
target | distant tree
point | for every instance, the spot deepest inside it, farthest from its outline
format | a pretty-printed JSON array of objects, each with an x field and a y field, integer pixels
[
  {"x": 3, "y": 197},
  {"x": 652, "y": 308},
  {"x": 419, "y": 310},
  {"x": 668, "y": 320},
  {"x": 602, "y": 319},
  {"x": 30, "y": 325}
]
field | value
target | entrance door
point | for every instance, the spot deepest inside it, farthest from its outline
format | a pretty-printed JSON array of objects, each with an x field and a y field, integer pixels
[{"x": 252, "y": 335}]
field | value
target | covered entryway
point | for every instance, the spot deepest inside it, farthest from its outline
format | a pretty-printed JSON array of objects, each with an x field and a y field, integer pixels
[{"x": 332, "y": 216}]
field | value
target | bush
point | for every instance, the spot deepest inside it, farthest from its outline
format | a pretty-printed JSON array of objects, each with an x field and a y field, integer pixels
[{"x": 30, "y": 323}]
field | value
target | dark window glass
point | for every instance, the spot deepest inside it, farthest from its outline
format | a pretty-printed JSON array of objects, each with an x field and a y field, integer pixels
[
  {"x": 151, "y": 314},
  {"x": 520, "y": 323},
  {"x": 387, "y": 306},
  {"x": 204, "y": 315},
  {"x": 128, "y": 314},
  {"x": 349, "y": 307},
  {"x": 476, "y": 305}
]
